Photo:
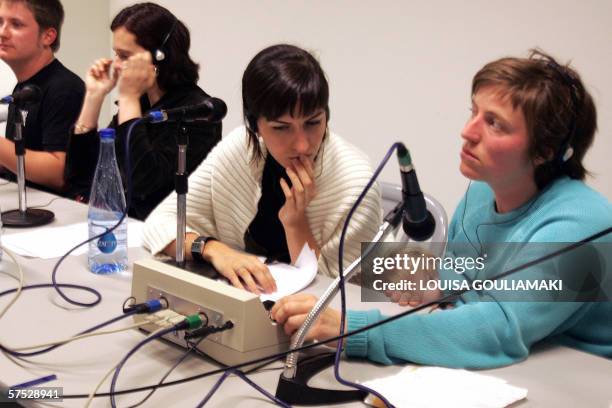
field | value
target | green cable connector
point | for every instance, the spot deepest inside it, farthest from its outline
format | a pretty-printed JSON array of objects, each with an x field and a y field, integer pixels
[{"x": 194, "y": 321}]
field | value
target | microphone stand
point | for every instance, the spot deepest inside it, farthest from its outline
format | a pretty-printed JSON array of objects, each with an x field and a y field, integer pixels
[
  {"x": 293, "y": 385},
  {"x": 23, "y": 217},
  {"x": 181, "y": 186}
]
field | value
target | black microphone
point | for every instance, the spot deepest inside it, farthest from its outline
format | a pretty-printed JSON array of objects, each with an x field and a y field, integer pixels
[
  {"x": 417, "y": 221},
  {"x": 29, "y": 94},
  {"x": 211, "y": 110}
]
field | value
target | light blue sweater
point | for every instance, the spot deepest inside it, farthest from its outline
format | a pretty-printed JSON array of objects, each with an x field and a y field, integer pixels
[{"x": 476, "y": 334}]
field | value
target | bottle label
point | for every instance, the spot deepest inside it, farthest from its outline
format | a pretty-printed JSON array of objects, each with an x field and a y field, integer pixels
[{"x": 107, "y": 243}]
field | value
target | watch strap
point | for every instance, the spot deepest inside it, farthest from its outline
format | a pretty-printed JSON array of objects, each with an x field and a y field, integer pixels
[{"x": 197, "y": 246}]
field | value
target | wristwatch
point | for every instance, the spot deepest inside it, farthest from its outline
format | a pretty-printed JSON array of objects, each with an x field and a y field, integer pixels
[{"x": 198, "y": 245}]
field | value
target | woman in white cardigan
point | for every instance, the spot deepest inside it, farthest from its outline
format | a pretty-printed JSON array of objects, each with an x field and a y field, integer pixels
[{"x": 279, "y": 183}]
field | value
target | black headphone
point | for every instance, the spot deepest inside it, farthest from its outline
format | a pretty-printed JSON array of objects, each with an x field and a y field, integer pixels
[
  {"x": 158, "y": 54},
  {"x": 566, "y": 151}
]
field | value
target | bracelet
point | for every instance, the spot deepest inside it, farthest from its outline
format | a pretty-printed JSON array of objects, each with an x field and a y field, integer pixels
[{"x": 80, "y": 128}]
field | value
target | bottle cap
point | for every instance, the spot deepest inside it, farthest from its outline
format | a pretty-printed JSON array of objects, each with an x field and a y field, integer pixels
[{"x": 107, "y": 133}]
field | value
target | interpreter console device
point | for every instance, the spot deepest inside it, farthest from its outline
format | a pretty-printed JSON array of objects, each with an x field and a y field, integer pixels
[{"x": 253, "y": 334}]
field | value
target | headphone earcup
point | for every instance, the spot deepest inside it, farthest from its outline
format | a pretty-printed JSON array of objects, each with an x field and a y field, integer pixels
[
  {"x": 159, "y": 55},
  {"x": 569, "y": 152}
]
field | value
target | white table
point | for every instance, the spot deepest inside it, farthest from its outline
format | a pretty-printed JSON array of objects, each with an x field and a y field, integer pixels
[{"x": 555, "y": 376}]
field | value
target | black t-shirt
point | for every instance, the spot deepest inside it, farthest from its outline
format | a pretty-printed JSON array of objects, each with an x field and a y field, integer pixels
[
  {"x": 153, "y": 152},
  {"x": 266, "y": 234},
  {"x": 48, "y": 123}
]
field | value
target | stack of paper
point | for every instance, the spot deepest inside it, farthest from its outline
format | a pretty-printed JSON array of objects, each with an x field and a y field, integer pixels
[
  {"x": 432, "y": 387},
  {"x": 52, "y": 242},
  {"x": 293, "y": 278}
]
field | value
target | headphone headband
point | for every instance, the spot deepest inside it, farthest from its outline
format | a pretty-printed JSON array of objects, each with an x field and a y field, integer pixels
[
  {"x": 566, "y": 151},
  {"x": 159, "y": 54}
]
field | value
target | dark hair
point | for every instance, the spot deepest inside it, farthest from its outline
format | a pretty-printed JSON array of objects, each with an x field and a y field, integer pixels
[
  {"x": 279, "y": 79},
  {"x": 558, "y": 110},
  {"x": 48, "y": 14},
  {"x": 150, "y": 23}
]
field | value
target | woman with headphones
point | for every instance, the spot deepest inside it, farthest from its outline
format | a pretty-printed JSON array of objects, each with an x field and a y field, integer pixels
[
  {"x": 152, "y": 70},
  {"x": 531, "y": 123},
  {"x": 282, "y": 182}
]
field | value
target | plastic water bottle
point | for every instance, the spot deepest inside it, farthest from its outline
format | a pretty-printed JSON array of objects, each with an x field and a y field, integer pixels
[{"x": 107, "y": 254}]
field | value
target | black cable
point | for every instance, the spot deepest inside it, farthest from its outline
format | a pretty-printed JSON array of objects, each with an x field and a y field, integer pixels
[
  {"x": 259, "y": 368},
  {"x": 522, "y": 213},
  {"x": 249, "y": 371},
  {"x": 178, "y": 362},
  {"x": 192, "y": 347},
  {"x": 240, "y": 374},
  {"x": 246, "y": 379},
  {"x": 134, "y": 349},
  {"x": 49, "y": 285},
  {"x": 381, "y": 322}
]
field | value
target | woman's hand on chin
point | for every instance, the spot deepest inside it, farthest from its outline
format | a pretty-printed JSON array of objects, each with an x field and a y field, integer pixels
[{"x": 293, "y": 213}]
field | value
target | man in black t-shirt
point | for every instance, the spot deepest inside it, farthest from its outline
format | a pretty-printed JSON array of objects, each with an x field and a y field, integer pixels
[{"x": 29, "y": 37}]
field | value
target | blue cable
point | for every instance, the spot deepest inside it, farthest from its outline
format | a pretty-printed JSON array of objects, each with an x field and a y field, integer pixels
[
  {"x": 341, "y": 275},
  {"x": 246, "y": 379},
  {"x": 97, "y": 294},
  {"x": 129, "y": 354},
  {"x": 128, "y": 173}
]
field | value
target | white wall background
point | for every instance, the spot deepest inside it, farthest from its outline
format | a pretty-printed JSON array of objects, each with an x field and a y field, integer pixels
[
  {"x": 85, "y": 38},
  {"x": 401, "y": 70}
]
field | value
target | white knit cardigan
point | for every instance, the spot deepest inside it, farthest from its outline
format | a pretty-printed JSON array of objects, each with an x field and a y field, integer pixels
[{"x": 225, "y": 189}]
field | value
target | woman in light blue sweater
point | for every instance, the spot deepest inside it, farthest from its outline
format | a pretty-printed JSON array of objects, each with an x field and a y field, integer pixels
[{"x": 532, "y": 122}]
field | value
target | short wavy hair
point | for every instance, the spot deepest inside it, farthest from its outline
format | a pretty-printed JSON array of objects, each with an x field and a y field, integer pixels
[
  {"x": 48, "y": 14},
  {"x": 558, "y": 110}
]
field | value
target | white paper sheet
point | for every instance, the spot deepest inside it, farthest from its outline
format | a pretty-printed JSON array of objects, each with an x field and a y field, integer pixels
[
  {"x": 53, "y": 242},
  {"x": 293, "y": 278},
  {"x": 432, "y": 387}
]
